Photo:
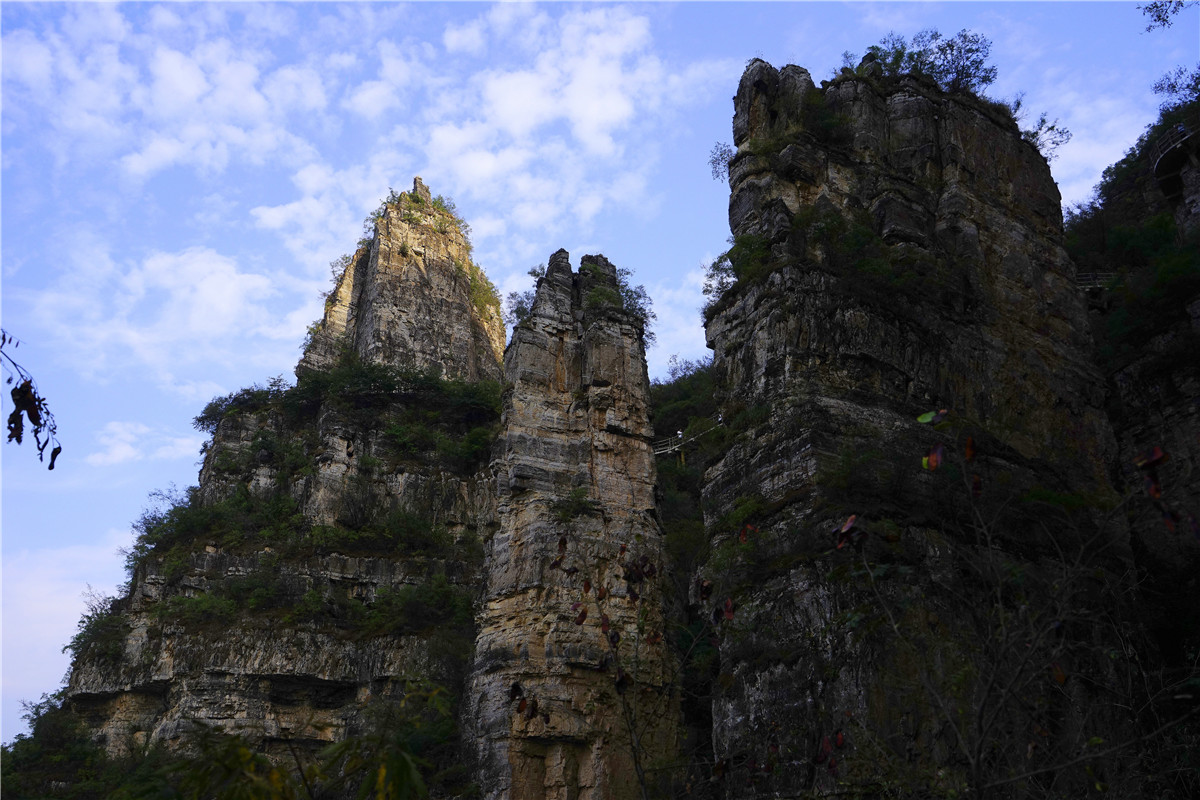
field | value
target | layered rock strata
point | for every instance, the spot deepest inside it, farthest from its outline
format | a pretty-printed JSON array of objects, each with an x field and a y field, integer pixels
[
  {"x": 412, "y": 297},
  {"x": 331, "y": 552},
  {"x": 896, "y": 251},
  {"x": 571, "y": 691}
]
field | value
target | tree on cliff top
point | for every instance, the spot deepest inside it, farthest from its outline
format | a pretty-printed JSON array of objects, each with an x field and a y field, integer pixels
[{"x": 958, "y": 64}]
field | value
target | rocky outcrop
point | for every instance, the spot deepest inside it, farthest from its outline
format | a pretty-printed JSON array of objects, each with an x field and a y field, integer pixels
[
  {"x": 331, "y": 553},
  {"x": 412, "y": 297},
  {"x": 571, "y": 690},
  {"x": 896, "y": 251}
]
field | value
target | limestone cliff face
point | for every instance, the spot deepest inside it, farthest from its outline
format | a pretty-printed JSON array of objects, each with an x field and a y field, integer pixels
[
  {"x": 330, "y": 554},
  {"x": 412, "y": 297},
  {"x": 571, "y": 690},
  {"x": 897, "y": 251}
]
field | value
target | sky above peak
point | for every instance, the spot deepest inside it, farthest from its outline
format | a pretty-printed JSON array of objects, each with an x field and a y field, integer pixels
[{"x": 177, "y": 179}]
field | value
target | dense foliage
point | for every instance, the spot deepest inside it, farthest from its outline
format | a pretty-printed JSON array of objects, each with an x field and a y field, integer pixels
[{"x": 1127, "y": 229}]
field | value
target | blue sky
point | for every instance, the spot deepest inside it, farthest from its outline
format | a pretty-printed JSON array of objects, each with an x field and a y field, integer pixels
[{"x": 176, "y": 179}]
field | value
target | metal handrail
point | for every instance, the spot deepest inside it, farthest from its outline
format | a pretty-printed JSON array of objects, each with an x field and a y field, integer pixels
[
  {"x": 673, "y": 443},
  {"x": 1171, "y": 139},
  {"x": 1094, "y": 280}
]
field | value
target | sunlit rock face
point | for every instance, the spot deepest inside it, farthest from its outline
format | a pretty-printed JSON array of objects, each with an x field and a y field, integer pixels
[
  {"x": 407, "y": 298},
  {"x": 570, "y": 696},
  {"x": 309, "y": 514},
  {"x": 900, "y": 253}
]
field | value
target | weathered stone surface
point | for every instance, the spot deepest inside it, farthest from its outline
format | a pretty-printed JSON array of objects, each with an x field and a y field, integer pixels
[
  {"x": 266, "y": 679},
  {"x": 576, "y": 516},
  {"x": 406, "y": 299},
  {"x": 912, "y": 247}
]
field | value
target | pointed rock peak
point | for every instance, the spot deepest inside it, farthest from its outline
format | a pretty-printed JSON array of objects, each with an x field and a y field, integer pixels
[
  {"x": 421, "y": 190},
  {"x": 559, "y": 264}
]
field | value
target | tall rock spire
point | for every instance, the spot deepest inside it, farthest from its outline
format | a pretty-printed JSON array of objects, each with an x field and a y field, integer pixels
[
  {"x": 571, "y": 691},
  {"x": 412, "y": 297}
]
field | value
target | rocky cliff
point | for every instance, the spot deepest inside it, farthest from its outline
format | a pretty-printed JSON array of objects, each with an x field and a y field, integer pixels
[
  {"x": 328, "y": 559},
  {"x": 571, "y": 694},
  {"x": 896, "y": 250},
  {"x": 914, "y": 575}
]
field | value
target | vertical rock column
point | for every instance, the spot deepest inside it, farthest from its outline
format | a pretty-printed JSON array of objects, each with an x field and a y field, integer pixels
[{"x": 570, "y": 695}]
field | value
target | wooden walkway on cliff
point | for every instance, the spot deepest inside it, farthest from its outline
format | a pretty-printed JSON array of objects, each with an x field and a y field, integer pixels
[
  {"x": 1094, "y": 280},
  {"x": 673, "y": 443}
]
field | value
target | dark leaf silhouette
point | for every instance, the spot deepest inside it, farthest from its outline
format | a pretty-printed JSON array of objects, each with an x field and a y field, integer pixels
[
  {"x": 533, "y": 709},
  {"x": 614, "y": 637},
  {"x": 562, "y": 545},
  {"x": 575, "y": 606},
  {"x": 556, "y": 563},
  {"x": 571, "y": 570},
  {"x": 706, "y": 588},
  {"x": 515, "y": 692}
]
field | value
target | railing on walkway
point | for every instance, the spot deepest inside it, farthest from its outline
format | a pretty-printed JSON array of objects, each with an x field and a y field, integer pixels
[
  {"x": 1172, "y": 139},
  {"x": 672, "y": 443},
  {"x": 1094, "y": 280}
]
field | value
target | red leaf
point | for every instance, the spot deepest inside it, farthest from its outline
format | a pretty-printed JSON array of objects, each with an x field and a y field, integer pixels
[
  {"x": 601, "y": 592},
  {"x": 833, "y": 767},
  {"x": 654, "y": 638},
  {"x": 522, "y": 705},
  {"x": 728, "y": 608},
  {"x": 1153, "y": 487},
  {"x": 824, "y": 751},
  {"x": 969, "y": 450},
  {"x": 587, "y": 585},
  {"x": 839, "y": 739},
  {"x": 934, "y": 458},
  {"x": 582, "y": 616},
  {"x": 622, "y": 551},
  {"x": 532, "y": 712},
  {"x": 562, "y": 545},
  {"x": 1060, "y": 677},
  {"x": 604, "y": 623}
]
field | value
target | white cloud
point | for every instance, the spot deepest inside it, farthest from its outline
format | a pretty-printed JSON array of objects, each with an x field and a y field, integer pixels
[
  {"x": 468, "y": 38},
  {"x": 168, "y": 312},
  {"x": 119, "y": 441}
]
